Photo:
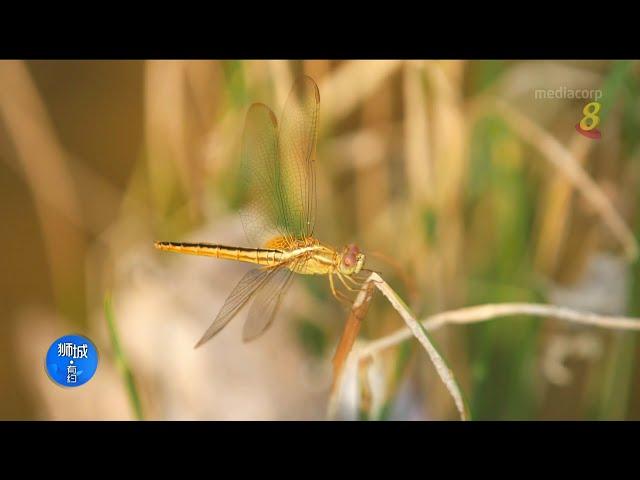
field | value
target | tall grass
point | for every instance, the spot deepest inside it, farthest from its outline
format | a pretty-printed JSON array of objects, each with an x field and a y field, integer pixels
[{"x": 121, "y": 360}]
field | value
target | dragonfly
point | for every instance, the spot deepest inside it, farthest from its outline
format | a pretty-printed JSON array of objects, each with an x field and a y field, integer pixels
[{"x": 277, "y": 168}]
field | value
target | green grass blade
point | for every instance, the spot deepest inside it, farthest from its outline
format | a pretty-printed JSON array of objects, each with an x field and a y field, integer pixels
[{"x": 121, "y": 360}]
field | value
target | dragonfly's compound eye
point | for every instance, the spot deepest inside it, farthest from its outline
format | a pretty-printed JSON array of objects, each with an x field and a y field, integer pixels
[{"x": 349, "y": 259}]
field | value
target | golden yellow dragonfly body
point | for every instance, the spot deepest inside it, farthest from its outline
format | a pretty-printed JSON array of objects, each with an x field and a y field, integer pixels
[{"x": 277, "y": 166}]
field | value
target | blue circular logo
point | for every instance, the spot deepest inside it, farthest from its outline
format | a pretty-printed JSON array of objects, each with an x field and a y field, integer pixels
[{"x": 72, "y": 360}]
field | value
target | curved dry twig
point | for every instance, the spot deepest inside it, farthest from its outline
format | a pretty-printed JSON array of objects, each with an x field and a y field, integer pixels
[
  {"x": 416, "y": 329},
  {"x": 344, "y": 351},
  {"x": 482, "y": 313}
]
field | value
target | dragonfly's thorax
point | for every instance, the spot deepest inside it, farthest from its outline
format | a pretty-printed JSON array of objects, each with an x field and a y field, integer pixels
[{"x": 310, "y": 257}]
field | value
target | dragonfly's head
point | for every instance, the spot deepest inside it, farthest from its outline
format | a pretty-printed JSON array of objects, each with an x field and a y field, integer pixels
[{"x": 351, "y": 260}]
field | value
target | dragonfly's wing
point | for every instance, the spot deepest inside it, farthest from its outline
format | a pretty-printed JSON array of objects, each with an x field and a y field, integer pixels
[
  {"x": 259, "y": 168},
  {"x": 278, "y": 167},
  {"x": 265, "y": 304},
  {"x": 296, "y": 144},
  {"x": 238, "y": 298}
]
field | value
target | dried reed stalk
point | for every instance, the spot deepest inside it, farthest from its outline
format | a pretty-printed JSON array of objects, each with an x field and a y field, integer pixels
[
  {"x": 482, "y": 313},
  {"x": 417, "y": 330}
]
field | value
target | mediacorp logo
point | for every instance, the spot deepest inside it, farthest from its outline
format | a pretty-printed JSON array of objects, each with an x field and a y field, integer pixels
[{"x": 590, "y": 121}]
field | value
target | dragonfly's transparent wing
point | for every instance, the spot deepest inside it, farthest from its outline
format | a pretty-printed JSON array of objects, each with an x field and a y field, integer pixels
[
  {"x": 297, "y": 138},
  {"x": 278, "y": 167},
  {"x": 265, "y": 304},
  {"x": 238, "y": 298},
  {"x": 259, "y": 167}
]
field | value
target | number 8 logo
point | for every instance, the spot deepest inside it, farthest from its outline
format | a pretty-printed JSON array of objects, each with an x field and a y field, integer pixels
[{"x": 590, "y": 121}]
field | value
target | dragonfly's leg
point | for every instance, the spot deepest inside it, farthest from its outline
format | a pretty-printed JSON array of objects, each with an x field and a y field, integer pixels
[
  {"x": 341, "y": 297},
  {"x": 363, "y": 275},
  {"x": 353, "y": 281},
  {"x": 332, "y": 286},
  {"x": 341, "y": 278}
]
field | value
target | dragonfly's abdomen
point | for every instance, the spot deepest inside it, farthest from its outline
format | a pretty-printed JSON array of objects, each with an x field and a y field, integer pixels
[{"x": 259, "y": 256}]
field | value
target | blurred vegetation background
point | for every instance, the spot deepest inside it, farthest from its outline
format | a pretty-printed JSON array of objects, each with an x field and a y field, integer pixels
[{"x": 452, "y": 169}]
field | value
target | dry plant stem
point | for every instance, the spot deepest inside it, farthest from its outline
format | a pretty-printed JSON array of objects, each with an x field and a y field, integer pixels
[
  {"x": 443, "y": 370},
  {"x": 562, "y": 158},
  {"x": 43, "y": 163},
  {"x": 416, "y": 135},
  {"x": 350, "y": 84},
  {"x": 42, "y": 159},
  {"x": 416, "y": 329},
  {"x": 351, "y": 330},
  {"x": 282, "y": 80},
  {"x": 487, "y": 312}
]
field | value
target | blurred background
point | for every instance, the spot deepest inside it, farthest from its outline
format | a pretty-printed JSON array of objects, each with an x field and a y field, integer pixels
[{"x": 454, "y": 170}]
